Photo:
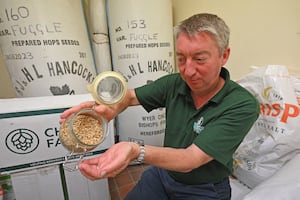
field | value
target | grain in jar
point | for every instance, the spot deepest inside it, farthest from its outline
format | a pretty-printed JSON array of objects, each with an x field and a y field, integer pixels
[{"x": 83, "y": 131}]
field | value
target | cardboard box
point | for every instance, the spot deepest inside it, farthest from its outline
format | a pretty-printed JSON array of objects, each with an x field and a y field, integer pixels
[
  {"x": 42, "y": 184},
  {"x": 31, "y": 152},
  {"x": 29, "y": 136},
  {"x": 52, "y": 182},
  {"x": 79, "y": 187}
]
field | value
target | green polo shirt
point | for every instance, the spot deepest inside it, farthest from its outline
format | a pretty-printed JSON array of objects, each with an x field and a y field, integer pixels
[{"x": 217, "y": 128}]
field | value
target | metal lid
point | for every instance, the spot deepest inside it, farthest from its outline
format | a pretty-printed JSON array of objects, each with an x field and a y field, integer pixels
[{"x": 108, "y": 87}]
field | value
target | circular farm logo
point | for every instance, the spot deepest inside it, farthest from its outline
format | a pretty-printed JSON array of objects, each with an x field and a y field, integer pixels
[{"x": 22, "y": 141}]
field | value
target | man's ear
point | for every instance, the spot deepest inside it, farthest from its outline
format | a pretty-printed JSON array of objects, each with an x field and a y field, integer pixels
[{"x": 225, "y": 56}]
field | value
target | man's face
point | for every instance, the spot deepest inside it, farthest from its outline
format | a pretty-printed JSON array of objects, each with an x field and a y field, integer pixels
[{"x": 199, "y": 61}]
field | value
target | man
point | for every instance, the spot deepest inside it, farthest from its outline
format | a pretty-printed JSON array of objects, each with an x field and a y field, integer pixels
[{"x": 207, "y": 117}]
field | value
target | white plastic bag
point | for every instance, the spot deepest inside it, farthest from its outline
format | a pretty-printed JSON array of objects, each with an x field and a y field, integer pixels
[
  {"x": 275, "y": 137},
  {"x": 283, "y": 185}
]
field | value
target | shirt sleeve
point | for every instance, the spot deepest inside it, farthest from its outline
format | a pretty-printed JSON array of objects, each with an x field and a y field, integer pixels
[{"x": 153, "y": 95}]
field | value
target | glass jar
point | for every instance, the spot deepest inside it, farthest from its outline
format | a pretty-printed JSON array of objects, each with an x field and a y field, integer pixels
[
  {"x": 80, "y": 133},
  {"x": 83, "y": 131}
]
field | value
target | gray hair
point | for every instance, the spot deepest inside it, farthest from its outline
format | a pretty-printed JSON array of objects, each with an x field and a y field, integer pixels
[{"x": 205, "y": 22}]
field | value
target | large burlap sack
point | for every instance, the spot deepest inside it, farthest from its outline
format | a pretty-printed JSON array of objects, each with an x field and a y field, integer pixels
[{"x": 275, "y": 137}]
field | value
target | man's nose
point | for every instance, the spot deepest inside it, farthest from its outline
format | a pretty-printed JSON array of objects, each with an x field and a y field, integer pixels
[{"x": 189, "y": 69}]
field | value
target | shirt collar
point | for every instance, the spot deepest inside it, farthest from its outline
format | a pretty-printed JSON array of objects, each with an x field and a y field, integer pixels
[{"x": 184, "y": 89}]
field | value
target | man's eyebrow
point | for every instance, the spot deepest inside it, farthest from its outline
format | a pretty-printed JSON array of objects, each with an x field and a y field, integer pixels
[
  {"x": 201, "y": 53},
  {"x": 195, "y": 54}
]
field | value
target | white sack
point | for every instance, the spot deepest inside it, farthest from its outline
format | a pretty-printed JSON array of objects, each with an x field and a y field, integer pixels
[
  {"x": 274, "y": 138},
  {"x": 283, "y": 185}
]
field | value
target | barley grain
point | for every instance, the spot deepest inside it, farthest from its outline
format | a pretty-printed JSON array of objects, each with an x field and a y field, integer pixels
[{"x": 87, "y": 133}]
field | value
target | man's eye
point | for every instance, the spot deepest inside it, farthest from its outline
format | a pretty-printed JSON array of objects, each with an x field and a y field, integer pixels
[
  {"x": 180, "y": 59},
  {"x": 202, "y": 59}
]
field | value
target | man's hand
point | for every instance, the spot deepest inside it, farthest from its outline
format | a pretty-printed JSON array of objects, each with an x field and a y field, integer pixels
[{"x": 110, "y": 163}]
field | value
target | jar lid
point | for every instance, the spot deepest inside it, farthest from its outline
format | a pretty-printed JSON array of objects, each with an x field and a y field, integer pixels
[{"x": 108, "y": 87}]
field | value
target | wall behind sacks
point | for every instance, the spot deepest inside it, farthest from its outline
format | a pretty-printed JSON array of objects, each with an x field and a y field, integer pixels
[{"x": 262, "y": 32}]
